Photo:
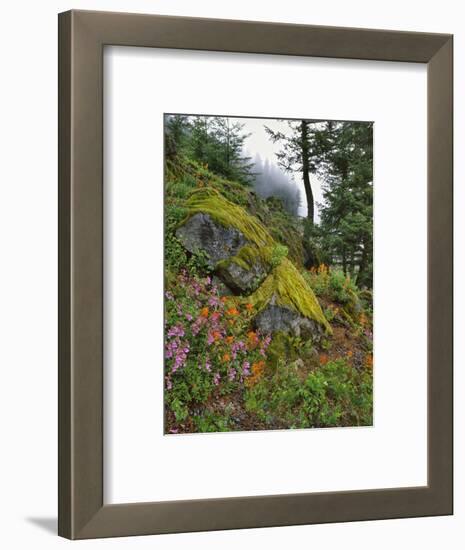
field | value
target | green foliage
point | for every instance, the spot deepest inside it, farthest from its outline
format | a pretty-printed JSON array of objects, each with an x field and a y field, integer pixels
[
  {"x": 346, "y": 229},
  {"x": 333, "y": 395},
  {"x": 212, "y": 422},
  {"x": 176, "y": 257},
  {"x": 279, "y": 252},
  {"x": 290, "y": 348},
  {"x": 332, "y": 284},
  {"x": 175, "y": 254},
  {"x": 212, "y": 141},
  {"x": 341, "y": 287}
]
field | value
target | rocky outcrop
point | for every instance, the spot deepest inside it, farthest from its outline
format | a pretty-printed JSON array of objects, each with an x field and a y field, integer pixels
[
  {"x": 274, "y": 318},
  {"x": 248, "y": 261},
  {"x": 202, "y": 233},
  {"x": 285, "y": 303},
  {"x": 242, "y": 279}
]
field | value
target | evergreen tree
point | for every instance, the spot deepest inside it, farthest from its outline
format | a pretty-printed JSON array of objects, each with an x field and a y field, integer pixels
[
  {"x": 231, "y": 160},
  {"x": 346, "y": 229},
  {"x": 300, "y": 153},
  {"x": 177, "y": 128},
  {"x": 219, "y": 143}
]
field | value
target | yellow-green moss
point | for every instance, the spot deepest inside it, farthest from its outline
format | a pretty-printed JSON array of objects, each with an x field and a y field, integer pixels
[
  {"x": 209, "y": 201},
  {"x": 250, "y": 255},
  {"x": 289, "y": 289}
]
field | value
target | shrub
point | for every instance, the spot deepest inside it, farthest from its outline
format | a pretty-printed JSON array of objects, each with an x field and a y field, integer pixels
[
  {"x": 332, "y": 284},
  {"x": 335, "y": 394}
]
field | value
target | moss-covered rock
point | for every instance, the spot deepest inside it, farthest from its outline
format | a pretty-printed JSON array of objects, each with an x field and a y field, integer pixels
[
  {"x": 201, "y": 233},
  {"x": 207, "y": 200},
  {"x": 245, "y": 271},
  {"x": 250, "y": 260},
  {"x": 286, "y": 299}
]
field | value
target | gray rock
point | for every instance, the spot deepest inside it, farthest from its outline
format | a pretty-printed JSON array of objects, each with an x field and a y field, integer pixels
[
  {"x": 274, "y": 318},
  {"x": 241, "y": 280},
  {"x": 201, "y": 232}
]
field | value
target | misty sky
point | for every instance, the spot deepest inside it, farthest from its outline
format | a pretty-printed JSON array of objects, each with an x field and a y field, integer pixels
[{"x": 259, "y": 142}]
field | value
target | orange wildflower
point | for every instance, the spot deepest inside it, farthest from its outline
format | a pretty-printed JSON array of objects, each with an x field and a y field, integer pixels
[
  {"x": 323, "y": 358},
  {"x": 350, "y": 353},
  {"x": 204, "y": 312},
  {"x": 249, "y": 307},
  {"x": 258, "y": 367},
  {"x": 369, "y": 361},
  {"x": 223, "y": 299},
  {"x": 226, "y": 357},
  {"x": 216, "y": 335},
  {"x": 229, "y": 339},
  {"x": 232, "y": 311},
  {"x": 257, "y": 371},
  {"x": 252, "y": 338}
]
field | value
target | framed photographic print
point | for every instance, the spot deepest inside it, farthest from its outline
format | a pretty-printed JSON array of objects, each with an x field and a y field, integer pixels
[{"x": 255, "y": 256}]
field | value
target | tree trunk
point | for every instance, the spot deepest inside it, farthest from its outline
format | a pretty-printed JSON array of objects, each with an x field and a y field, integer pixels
[
  {"x": 344, "y": 261},
  {"x": 363, "y": 265},
  {"x": 306, "y": 172}
]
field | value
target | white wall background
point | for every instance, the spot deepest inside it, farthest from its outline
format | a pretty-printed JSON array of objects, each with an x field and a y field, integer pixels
[{"x": 28, "y": 274}]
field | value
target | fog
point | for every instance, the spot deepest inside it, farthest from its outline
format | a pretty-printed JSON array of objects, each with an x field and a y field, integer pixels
[{"x": 259, "y": 143}]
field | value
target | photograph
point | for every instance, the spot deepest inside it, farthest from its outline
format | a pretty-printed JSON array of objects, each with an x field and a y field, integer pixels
[{"x": 268, "y": 257}]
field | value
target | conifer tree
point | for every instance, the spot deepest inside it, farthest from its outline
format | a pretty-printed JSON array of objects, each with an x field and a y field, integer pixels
[{"x": 346, "y": 228}]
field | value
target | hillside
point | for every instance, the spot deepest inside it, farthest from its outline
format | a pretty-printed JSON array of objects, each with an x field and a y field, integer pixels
[{"x": 254, "y": 340}]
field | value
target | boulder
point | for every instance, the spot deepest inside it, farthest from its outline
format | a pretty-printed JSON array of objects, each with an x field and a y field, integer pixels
[
  {"x": 202, "y": 233},
  {"x": 285, "y": 303},
  {"x": 242, "y": 280},
  {"x": 245, "y": 271},
  {"x": 276, "y": 318}
]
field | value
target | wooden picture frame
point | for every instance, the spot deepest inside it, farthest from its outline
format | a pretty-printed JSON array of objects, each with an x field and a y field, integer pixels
[{"x": 82, "y": 36}]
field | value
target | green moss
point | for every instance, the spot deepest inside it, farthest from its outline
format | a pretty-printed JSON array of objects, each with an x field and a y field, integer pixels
[
  {"x": 247, "y": 257},
  {"x": 195, "y": 175},
  {"x": 278, "y": 253},
  {"x": 209, "y": 201},
  {"x": 282, "y": 345},
  {"x": 250, "y": 255},
  {"x": 289, "y": 289}
]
